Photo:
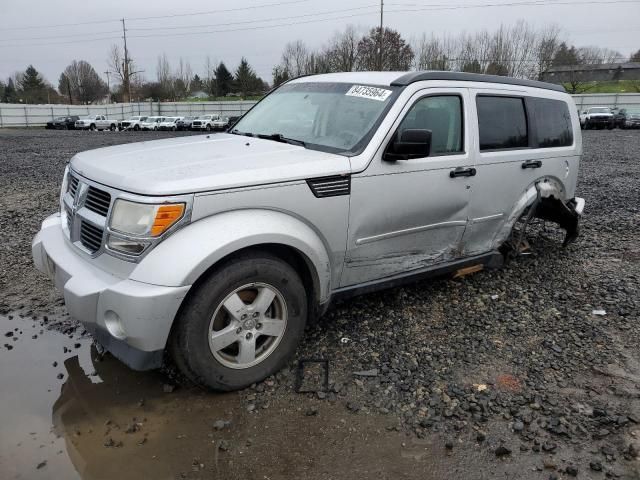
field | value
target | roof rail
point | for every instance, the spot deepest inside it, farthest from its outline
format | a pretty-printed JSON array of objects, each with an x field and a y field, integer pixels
[{"x": 413, "y": 77}]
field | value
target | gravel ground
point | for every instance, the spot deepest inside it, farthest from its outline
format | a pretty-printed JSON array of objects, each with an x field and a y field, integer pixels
[{"x": 514, "y": 360}]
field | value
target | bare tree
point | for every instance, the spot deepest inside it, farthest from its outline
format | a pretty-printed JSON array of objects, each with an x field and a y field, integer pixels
[
  {"x": 342, "y": 51},
  {"x": 126, "y": 74},
  {"x": 164, "y": 76},
  {"x": 295, "y": 58},
  {"x": 596, "y": 55},
  {"x": 80, "y": 81}
]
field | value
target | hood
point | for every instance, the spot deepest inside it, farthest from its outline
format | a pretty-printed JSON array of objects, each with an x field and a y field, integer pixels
[{"x": 203, "y": 163}]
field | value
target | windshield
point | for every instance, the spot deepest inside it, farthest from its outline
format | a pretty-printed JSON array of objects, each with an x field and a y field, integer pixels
[
  {"x": 600, "y": 110},
  {"x": 336, "y": 117}
]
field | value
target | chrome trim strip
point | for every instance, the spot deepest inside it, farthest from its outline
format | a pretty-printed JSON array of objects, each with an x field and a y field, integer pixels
[
  {"x": 488, "y": 218},
  {"x": 408, "y": 231}
]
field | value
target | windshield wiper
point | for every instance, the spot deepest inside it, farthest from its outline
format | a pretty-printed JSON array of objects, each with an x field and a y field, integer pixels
[
  {"x": 278, "y": 137},
  {"x": 235, "y": 131}
]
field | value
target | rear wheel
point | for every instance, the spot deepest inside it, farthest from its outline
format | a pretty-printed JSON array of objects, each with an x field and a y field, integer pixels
[
  {"x": 92, "y": 127},
  {"x": 136, "y": 128},
  {"x": 208, "y": 128},
  {"x": 242, "y": 324}
]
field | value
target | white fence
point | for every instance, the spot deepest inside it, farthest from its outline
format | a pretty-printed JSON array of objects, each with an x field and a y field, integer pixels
[
  {"x": 611, "y": 100},
  {"x": 19, "y": 115}
]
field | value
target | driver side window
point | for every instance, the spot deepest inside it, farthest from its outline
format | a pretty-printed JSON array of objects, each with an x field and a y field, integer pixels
[{"x": 442, "y": 115}]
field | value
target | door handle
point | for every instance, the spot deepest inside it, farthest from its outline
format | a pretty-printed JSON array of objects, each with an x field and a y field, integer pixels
[
  {"x": 462, "y": 172},
  {"x": 532, "y": 164}
]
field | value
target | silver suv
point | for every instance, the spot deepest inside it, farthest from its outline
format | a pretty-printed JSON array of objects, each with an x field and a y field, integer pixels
[{"x": 219, "y": 248}]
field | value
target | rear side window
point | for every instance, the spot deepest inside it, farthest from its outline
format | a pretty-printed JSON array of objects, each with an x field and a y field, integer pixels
[
  {"x": 502, "y": 122},
  {"x": 552, "y": 121}
]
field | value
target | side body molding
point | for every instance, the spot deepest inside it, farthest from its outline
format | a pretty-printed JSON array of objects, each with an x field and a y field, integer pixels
[{"x": 183, "y": 257}]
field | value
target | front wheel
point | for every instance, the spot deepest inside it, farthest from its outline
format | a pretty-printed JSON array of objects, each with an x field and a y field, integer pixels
[
  {"x": 242, "y": 324},
  {"x": 92, "y": 127},
  {"x": 208, "y": 128}
]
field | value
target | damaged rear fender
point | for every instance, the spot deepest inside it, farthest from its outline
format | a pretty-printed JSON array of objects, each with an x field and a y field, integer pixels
[{"x": 548, "y": 199}]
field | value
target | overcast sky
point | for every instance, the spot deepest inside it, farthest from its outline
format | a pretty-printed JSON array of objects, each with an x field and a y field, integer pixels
[{"x": 50, "y": 49}]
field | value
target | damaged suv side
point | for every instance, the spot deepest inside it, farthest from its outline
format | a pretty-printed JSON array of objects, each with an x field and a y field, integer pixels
[{"x": 217, "y": 249}]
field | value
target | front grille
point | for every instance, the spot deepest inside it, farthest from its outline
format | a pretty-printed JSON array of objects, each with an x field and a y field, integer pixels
[
  {"x": 330, "y": 186},
  {"x": 73, "y": 186},
  {"x": 98, "y": 201},
  {"x": 69, "y": 218},
  {"x": 90, "y": 236}
]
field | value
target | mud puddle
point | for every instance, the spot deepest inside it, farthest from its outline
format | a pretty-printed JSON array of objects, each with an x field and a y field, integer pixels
[{"x": 92, "y": 418}]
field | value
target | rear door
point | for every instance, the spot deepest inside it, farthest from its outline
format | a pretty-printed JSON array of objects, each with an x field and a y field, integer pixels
[
  {"x": 408, "y": 215},
  {"x": 521, "y": 140}
]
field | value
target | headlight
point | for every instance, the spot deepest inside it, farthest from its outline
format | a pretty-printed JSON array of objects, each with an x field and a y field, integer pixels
[{"x": 143, "y": 219}]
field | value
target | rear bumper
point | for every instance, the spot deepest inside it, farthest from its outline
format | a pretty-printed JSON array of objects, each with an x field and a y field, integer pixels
[{"x": 130, "y": 319}]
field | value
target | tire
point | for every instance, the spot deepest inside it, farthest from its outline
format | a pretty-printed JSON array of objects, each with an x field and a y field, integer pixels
[
  {"x": 92, "y": 127},
  {"x": 136, "y": 128},
  {"x": 239, "y": 281},
  {"x": 208, "y": 128},
  {"x": 173, "y": 129},
  {"x": 112, "y": 127}
]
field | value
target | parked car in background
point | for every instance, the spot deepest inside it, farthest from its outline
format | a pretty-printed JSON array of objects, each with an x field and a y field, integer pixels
[
  {"x": 627, "y": 118},
  {"x": 221, "y": 123},
  {"x": 132, "y": 123},
  {"x": 185, "y": 123},
  {"x": 169, "y": 123},
  {"x": 151, "y": 123},
  {"x": 218, "y": 250},
  {"x": 597, "y": 117},
  {"x": 65, "y": 123},
  {"x": 96, "y": 122},
  {"x": 204, "y": 122}
]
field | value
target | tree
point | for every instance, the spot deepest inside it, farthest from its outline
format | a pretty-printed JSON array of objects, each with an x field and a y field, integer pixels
[
  {"x": 80, "y": 81},
  {"x": 223, "y": 80},
  {"x": 280, "y": 75},
  {"x": 10, "y": 92},
  {"x": 565, "y": 55},
  {"x": 64, "y": 87},
  {"x": 472, "y": 67},
  {"x": 635, "y": 57},
  {"x": 396, "y": 53},
  {"x": 196, "y": 84},
  {"x": 127, "y": 74},
  {"x": 33, "y": 86},
  {"x": 164, "y": 77},
  {"x": 2, "y": 89},
  {"x": 246, "y": 80},
  {"x": 342, "y": 51}
]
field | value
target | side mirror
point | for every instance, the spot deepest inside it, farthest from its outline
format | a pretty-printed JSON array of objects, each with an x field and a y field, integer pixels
[{"x": 408, "y": 144}]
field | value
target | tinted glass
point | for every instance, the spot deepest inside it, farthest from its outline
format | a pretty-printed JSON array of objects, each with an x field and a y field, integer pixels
[
  {"x": 552, "y": 121},
  {"x": 502, "y": 122},
  {"x": 443, "y": 116}
]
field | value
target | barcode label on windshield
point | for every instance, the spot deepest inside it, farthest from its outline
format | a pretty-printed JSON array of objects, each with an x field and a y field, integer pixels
[{"x": 372, "y": 93}]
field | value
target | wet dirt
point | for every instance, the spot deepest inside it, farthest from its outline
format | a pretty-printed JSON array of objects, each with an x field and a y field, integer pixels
[{"x": 66, "y": 412}]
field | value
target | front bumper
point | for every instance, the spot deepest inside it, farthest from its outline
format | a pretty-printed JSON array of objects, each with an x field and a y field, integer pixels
[{"x": 130, "y": 319}]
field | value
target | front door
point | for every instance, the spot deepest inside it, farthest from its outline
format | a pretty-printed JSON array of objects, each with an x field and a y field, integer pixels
[{"x": 408, "y": 215}]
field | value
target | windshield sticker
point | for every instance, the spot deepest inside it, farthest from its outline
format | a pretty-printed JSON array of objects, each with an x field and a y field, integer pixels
[{"x": 372, "y": 93}]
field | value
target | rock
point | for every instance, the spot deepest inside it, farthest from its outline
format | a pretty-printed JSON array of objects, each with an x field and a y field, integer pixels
[
  {"x": 571, "y": 470},
  {"x": 221, "y": 424},
  {"x": 353, "y": 407},
  {"x": 60, "y": 376},
  {"x": 448, "y": 445},
  {"x": 168, "y": 388},
  {"x": 596, "y": 466},
  {"x": 41, "y": 465},
  {"x": 518, "y": 426},
  {"x": 311, "y": 412},
  {"x": 502, "y": 450},
  {"x": 321, "y": 395},
  {"x": 481, "y": 436},
  {"x": 224, "y": 445}
]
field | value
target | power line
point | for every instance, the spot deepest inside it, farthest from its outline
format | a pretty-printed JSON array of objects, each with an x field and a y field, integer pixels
[
  {"x": 244, "y": 22},
  {"x": 113, "y": 20}
]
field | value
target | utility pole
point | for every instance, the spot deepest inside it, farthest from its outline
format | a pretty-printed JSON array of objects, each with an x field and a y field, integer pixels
[
  {"x": 125, "y": 66},
  {"x": 380, "y": 36}
]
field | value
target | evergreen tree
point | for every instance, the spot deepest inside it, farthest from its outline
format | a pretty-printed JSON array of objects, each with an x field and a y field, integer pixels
[
  {"x": 2, "y": 87},
  {"x": 635, "y": 57},
  {"x": 566, "y": 56},
  {"x": 224, "y": 80},
  {"x": 34, "y": 88},
  {"x": 10, "y": 93},
  {"x": 246, "y": 80},
  {"x": 196, "y": 84}
]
